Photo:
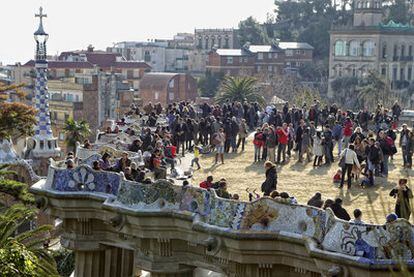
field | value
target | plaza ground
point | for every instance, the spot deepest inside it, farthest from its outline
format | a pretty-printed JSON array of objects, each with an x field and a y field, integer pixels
[{"x": 303, "y": 180}]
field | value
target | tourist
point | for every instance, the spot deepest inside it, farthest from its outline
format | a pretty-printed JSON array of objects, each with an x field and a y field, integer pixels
[
  {"x": 403, "y": 194},
  {"x": 318, "y": 149},
  {"x": 374, "y": 156},
  {"x": 337, "y": 135},
  {"x": 135, "y": 146},
  {"x": 218, "y": 140},
  {"x": 196, "y": 158},
  {"x": 160, "y": 172},
  {"x": 104, "y": 162},
  {"x": 347, "y": 131},
  {"x": 299, "y": 135},
  {"x": 235, "y": 197},
  {"x": 123, "y": 162},
  {"x": 70, "y": 164},
  {"x": 270, "y": 183},
  {"x": 270, "y": 144},
  {"x": 410, "y": 150},
  {"x": 339, "y": 211},
  {"x": 404, "y": 143},
  {"x": 222, "y": 191},
  {"x": 357, "y": 217},
  {"x": 128, "y": 174},
  {"x": 306, "y": 145},
  {"x": 179, "y": 135},
  {"x": 348, "y": 159},
  {"x": 337, "y": 177},
  {"x": 289, "y": 199},
  {"x": 386, "y": 144},
  {"x": 357, "y": 134},
  {"x": 391, "y": 218},
  {"x": 291, "y": 139},
  {"x": 368, "y": 180},
  {"x": 242, "y": 134},
  {"x": 328, "y": 145},
  {"x": 95, "y": 166},
  {"x": 316, "y": 200},
  {"x": 327, "y": 204},
  {"x": 186, "y": 184},
  {"x": 274, "y": 194},
  {"x": 87, "y": 144},
  {"x": 258, "y": 143},
  {"x": 283, "y": 140},
  {"x": 208, "y": 183}
]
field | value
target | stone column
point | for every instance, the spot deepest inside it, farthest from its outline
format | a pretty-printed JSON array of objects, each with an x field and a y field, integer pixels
[{"x": 108, "y": 262}]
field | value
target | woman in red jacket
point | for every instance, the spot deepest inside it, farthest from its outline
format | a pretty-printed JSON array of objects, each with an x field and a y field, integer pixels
[
  {"x": 348, "y": 130},
  {"x": 283, "y": 138},
  {"x": 258, "y": 142}
]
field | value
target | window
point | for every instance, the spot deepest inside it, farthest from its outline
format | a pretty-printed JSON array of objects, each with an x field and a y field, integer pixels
[
  {"x": 353, "y": 72},
  {"x": 410, "y": 51},
  {"x": 66, "y": 117},
  {"x": 274, "y": 55},
  {"x": 395, "y": 50},
  {"x": 269, "y": 56},
  {"x": 69, "y": 97},
  {"x": 77, "y": 98},
  {"x": 171, "y": 96},
  {"x": 394, "y": 74},
  {"x": 289, "y": 53},
  {"x": 354, "y": 48},
  {"x": 206, "y": 47},
  {"x": 402, "y": 50},
  {"x": 240, "y": 60},
  {"x": 339, "y": 48},
  {"x": 226, "y": 43},
  {"x": 259, "y": 68},
  {"x": 368, "y": 48},
  {"x": 219, "y": 42},
  {"x": 229, "y": 60},
  {"x": 171, "y": 84},
  {"x": 402, "y": 77},
  {"x": 270, "y": 68},
  {"x": 147, "y": 56},
  {"x": 383, "y": 71},
  {"x": 260, "y": 56},
  {"x": 409, "y": 73},
  {"x": 384, "y": 51}
]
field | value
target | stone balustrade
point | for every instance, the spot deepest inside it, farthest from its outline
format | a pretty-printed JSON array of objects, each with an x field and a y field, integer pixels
[
  {"x": 87, "y": 156},
  {"x": 366, "y": 243}
]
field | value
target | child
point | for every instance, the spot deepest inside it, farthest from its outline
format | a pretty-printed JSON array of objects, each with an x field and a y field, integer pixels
[
  {"x": 337, "y": 177},
  {"x": 368, "y": 180},
  {"x": 195, "y": 160}
]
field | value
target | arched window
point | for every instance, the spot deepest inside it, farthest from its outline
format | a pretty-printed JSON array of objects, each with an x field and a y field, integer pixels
[
  {"x": 340, "y": 48},
  {"x": 368, "y": 5},
  {"x": 354, "y": 48},
  {"x": 368, "y": 48},
  {"x": 359, "y": 5},
  {"x": 402, "y": 50},
  {"x": 384, "y": 51}
]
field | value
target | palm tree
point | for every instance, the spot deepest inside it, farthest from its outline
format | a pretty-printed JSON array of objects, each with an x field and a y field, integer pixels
[
  {"x": 76, "y": 131},
  {"x": 22, "y": 253},
  {"x": 239, "y": 89}
]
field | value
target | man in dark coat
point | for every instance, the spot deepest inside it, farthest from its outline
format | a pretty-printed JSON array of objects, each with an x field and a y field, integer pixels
[
  {"x": 270, "y": 183},
  {"x": 339, "y": 211}
]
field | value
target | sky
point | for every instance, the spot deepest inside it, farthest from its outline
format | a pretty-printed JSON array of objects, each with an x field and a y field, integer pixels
[{"x": 74, "y": 24}]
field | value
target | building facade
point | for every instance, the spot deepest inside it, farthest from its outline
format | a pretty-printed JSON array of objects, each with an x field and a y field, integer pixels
[
  {"x": 167, "y": 88},
  {"x": 281, "y": 58},
  {"x": 370, "y": 45},
  {"x": 207, "y": 39}
]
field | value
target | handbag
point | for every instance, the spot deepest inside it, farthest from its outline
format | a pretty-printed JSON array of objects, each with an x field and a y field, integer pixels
[{"x": 342, "y": 161}]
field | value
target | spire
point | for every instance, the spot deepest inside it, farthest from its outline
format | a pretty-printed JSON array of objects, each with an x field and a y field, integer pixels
[{"x": 45, "y": 144}]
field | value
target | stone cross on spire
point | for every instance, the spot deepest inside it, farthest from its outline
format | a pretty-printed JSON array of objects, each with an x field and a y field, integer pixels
[{"x": 41, "y": 15}]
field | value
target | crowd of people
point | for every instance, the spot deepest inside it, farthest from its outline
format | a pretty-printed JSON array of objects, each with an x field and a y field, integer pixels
[{"x": 364, "y": 141}]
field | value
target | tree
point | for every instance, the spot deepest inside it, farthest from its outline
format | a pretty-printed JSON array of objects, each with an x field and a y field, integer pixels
[
  {"x": 76, "y": 131},
  {"x": 239, "y": 89},
  {"x": 373, "y": 90},
  {"x": 399, "y": 12},
  {"x": 22, "y": 253},
  {"x": 209, "y": 83},
  {"x": 5, "y": 91},
  {"x": 16, "y": 120},
  {"x": 251, "y": 31}
]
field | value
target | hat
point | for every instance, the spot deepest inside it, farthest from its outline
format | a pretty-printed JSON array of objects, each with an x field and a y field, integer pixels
[{"x": 391, "y": 217}]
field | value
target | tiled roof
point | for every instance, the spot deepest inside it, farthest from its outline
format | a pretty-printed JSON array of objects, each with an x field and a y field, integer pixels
[
  {"x": 131, "y": 65},
  {"x": 62, "y": 64},
  {"x": 263, "y": 48},
  {"x": 231, "y": 52},
  {"x": 295, "y": 45}
]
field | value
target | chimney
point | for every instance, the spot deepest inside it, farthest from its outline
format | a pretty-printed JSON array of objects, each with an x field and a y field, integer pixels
[{"x": 90, "y": 48}]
